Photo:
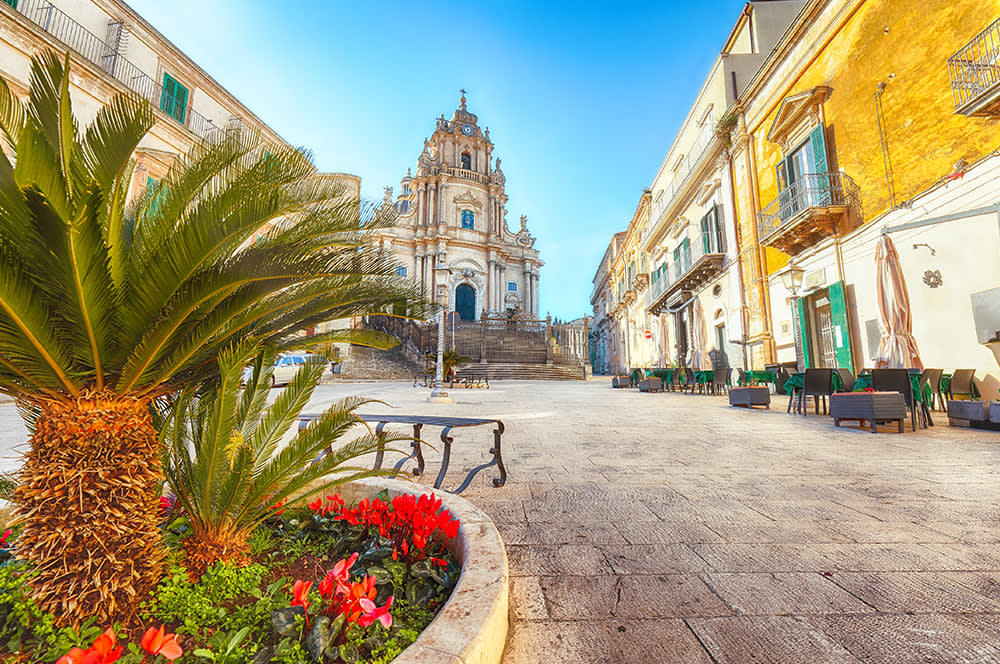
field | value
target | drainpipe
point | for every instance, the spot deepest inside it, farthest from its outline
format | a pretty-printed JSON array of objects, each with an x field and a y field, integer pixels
[
  {"x": 764, "y": 291},
  {"x": 744, "y": 314}
]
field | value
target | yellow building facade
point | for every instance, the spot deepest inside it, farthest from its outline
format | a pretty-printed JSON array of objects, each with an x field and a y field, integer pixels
[{"x": 852, "y": 128}]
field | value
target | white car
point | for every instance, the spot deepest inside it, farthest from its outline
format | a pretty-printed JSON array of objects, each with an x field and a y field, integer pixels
[{"x": 285, "y": 368}]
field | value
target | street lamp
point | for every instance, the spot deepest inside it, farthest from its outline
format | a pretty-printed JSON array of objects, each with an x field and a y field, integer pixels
[
  {"x": 441, "y": 273},
  {"x": 791, "y": 278}
]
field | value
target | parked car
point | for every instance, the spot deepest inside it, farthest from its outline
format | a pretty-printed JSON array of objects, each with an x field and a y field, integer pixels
[{"x": 285, "y": 368}]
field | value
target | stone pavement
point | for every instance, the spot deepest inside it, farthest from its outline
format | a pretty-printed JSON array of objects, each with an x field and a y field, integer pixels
[{"x": 671, "y": 528}]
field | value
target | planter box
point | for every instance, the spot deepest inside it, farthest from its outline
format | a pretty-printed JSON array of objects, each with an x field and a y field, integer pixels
[
  {"x": 621, "y": 381},
  {"x": 747, "y": 397},
  {"x": 995, "y": 412},
  {"x": 963, "y": 413},
  {"x": 872, "y": 407},
  {"x": 650, "y": 385}
]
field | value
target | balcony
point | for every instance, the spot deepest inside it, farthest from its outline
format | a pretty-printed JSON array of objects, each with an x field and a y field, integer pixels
[
  {"x": 975, "y": 75},
  {"x": 107, "y": 58},
  {"x": 466, "y": 174},
  {"x": 693, "y": 267},
  {"x": 813, "y": 208}
]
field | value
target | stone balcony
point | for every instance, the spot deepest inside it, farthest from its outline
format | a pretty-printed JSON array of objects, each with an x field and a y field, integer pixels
[{"x": 816, "y": 206}]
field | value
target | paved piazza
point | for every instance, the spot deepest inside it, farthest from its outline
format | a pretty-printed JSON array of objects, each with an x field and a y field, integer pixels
[{"x": 671, "y": 528}]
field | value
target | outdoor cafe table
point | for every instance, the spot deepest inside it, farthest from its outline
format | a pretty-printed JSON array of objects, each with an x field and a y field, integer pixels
[
  {"x": 946, "y": 386},
  {"x": 666, "y": 375},
  {"x": 704, "y": 377},
  {"x": 758, "y": 376},
  {"x": 864, "y": 381},
  {"x": 797, "y": 381}
]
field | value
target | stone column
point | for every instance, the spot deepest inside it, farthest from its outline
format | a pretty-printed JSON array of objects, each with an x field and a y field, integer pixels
[
  {"x": 488, "y": 298},
  {"x": 441, "y": 218},
  {"x": 421, "y": 205}
]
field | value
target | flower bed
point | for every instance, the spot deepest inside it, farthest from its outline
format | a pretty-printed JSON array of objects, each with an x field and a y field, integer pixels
[{"x": 331, "y": 583}]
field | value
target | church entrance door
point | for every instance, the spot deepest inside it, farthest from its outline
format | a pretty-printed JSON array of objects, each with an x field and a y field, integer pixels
[{"x": 465, "y": 302}]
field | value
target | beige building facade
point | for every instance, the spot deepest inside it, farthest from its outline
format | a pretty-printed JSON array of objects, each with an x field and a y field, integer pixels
[
  {"x": 114, "y": 50},
  {"x": 452, "y": 212}
]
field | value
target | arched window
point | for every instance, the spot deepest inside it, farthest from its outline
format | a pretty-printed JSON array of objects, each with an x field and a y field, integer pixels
[
  {"x": 467, "y": 161},
  {"x": 468, "y": 219}
]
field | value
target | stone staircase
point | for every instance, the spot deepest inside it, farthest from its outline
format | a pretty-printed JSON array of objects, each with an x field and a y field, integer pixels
[
  {"x": 371, "y": 363},
  {"x": 511, "y": 371}
]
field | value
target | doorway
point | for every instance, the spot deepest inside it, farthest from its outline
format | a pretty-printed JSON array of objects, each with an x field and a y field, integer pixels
[{"x": 465, "y": 302}]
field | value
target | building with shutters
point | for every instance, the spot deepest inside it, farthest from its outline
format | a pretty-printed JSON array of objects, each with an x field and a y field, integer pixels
[
  {"x": 452, "y": 212},
  {"x": 872, "y": 117},
  {"x": 824, "y": 125},
  {"x": 113, "y": 50}
]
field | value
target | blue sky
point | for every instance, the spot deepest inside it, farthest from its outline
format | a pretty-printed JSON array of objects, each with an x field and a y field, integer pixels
[{"x": 582, "y": 100}]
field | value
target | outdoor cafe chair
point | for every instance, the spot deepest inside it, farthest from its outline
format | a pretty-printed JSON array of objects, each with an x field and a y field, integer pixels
[
  {"x": 930, "y": 386},
  {"x": 817, "y": 383},
  {"x": 897, "y": 380},
  {"x": 720, "y": 380},
  {"x": 847, "y": 379},
  {"x": 689, "y": 378},
  {"x": 961, "y": 383}
]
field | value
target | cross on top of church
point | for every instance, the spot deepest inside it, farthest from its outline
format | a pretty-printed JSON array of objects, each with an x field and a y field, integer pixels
[{"x": 463, "y": 98}]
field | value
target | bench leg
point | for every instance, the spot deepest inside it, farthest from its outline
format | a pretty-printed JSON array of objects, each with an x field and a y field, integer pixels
[
  {"x": 445, "y": 456},
  {"x": 497, "y": 461},
  {"x": 381, "y": 446}
]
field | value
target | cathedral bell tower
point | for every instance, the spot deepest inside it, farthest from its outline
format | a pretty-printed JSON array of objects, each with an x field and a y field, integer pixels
[{"x": 452, "y": 211}]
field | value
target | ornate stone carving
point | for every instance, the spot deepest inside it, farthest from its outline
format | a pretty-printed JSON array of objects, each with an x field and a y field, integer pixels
[{"x": 466, "y": 199}]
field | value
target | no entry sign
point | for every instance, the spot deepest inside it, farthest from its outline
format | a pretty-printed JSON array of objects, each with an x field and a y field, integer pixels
[{"x": 649, "y": 335}]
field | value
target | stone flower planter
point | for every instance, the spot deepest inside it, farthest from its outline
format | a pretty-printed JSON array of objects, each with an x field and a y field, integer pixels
[{"x": 471, "y": 627}]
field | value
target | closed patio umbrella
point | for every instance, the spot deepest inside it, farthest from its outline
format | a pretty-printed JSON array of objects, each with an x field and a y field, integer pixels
[
  {"x": 897, "y": 348},
  {"x": 699, "y": 333}
]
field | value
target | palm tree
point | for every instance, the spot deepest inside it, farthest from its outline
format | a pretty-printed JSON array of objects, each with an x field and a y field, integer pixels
[
  {"x": 224, "y": 462},
  {"x": 107, "y": 304}
]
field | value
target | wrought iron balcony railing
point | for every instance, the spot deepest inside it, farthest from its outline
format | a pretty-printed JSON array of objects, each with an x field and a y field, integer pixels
[
  {"x": 975, "y": 74},
  {"x": 55, "y": 22},
  {"x": 811, "y": 192}
]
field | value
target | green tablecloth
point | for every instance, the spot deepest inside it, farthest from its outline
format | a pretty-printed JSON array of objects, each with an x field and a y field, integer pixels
[
  {"x": 864, "y": 381},
  {"x": 666, "y": 375},
  {"x": 797, "y": 381},
  {"x": 759, "y": 376},
  {"x": 702, "y": 377},
  {"x": 946, "y": 385}
]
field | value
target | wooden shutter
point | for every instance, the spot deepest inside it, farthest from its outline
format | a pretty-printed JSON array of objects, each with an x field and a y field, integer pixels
[
  {"x": 841, "y": 326},
  {"x": 173, "y": 101},
  {"x": 804, "y": 332},
  {"x": 818, "y": 140}
]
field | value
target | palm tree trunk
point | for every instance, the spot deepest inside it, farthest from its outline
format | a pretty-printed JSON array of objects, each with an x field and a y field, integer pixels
[
  {"x": 205, "y": 547},
  {"x": 88, "y": 499}
]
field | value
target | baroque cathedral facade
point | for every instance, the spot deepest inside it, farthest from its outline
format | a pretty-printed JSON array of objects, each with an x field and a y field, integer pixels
[{"x": 452, "y": 212}]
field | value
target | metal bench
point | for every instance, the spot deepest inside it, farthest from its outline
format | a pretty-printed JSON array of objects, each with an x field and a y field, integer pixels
[{"x": 418, "y": 422}]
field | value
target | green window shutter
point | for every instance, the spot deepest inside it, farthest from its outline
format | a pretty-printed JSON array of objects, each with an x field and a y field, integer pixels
[
  {"x": 173, "y": 100},
  {"x": 804, "y": 332},
  {"x": 781, "y": 173},
  {"x": 12, "y": 3},
  {"x": 818, "y": 140},
  {"x": 841, "y": 326}
]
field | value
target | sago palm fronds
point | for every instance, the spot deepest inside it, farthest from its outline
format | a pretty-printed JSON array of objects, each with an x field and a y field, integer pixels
[
  {"x": 109, "y": 300},
  {"x": 228, "y": 460}
]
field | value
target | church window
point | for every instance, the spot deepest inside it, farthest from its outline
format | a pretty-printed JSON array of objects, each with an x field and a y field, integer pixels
[
  {"x": 468, "y": 219},
  {"x": 401, "y": 271},
  {"x": 467, "y": 161},
  {"x": 511, "y": 286}
]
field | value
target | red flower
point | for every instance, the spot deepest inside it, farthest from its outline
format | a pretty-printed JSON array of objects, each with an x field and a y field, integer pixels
[
  {"x": 300, "y": 593},
  {"x": 373, "y": 613},
  {"x": 278, "y": 507},
  {"x": 102, "y": 651},
  {"x": 6, "y": 534},
  {"x": 158, "y": 642}
]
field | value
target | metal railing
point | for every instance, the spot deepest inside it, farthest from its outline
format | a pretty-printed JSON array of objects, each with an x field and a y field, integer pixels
[
  {"x": 58, "y": 24},
  {"x": 812, "y": 190},
  {"x": 975, "y": 68},
  {"x": 701, "y": 145}
]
